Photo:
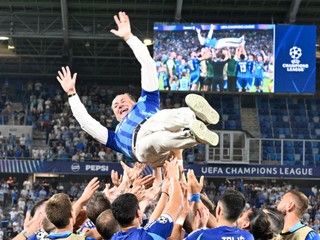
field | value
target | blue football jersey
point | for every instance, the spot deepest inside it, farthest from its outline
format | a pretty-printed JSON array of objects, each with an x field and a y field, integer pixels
[
  {"x": 121, "y": 140},
  {"x": 156, "y": 230},
  {"x": 184, "y": 84},
  {"x": 259, "y": 71},
  {"x": 225, "y": 233}
]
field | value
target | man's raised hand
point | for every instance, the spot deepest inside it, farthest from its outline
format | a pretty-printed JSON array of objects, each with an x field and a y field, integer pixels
[
  {"x": 123, "y": 23},
  {"x": 67, "y": 82}
]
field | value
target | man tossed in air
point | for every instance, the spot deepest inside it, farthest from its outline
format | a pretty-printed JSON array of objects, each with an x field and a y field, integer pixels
[{"x": 144, "y": 132}]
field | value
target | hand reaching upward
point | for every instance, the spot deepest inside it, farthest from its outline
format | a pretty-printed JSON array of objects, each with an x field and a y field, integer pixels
[
  {"x": 68, "y": 82},
  {"x": 123, "y": 23}
]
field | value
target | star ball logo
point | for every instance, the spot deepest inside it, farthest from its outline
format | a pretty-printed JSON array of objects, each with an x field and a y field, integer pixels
[
  {"x": 295, "y": 53},
  {"x": 295, "y": 66}
]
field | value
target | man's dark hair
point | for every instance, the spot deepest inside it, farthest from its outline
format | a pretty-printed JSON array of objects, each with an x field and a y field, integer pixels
[
  {"x": 276, "y": 220},
  {"x": 36, "y": 206},
  {"x": 106, "y": 224},
  {"x": 124, "y": 209},
  {"x": 251, "y": 54},
  {"x": 233, "y": 203},
  {"x": 59, "y": 209},
  {"x": 219, "y": 54},
  {"x": 242, "y": 56},
  {"x": 259, "y": 225},
  {"x": 131, "y": 96},
  {"x": 96, "y": 205}
]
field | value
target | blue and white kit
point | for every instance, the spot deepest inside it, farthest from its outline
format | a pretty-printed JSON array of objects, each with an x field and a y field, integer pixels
[{"x": 156, "y": 230}]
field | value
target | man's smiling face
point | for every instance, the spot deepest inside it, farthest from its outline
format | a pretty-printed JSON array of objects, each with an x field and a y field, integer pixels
[{"x": 121, "y": 106}]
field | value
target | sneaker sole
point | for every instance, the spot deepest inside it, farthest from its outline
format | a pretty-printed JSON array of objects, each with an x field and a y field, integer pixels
[
  {"x": 202, "y": 109},
  {"x": 203, "y": 134}
]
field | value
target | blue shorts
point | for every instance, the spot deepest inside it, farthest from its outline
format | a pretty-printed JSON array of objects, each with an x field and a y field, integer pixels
[
  {"x": 195, "y": 79},
  {"x": 242, "y": 83},
  {"x": 258, "y": 82}
]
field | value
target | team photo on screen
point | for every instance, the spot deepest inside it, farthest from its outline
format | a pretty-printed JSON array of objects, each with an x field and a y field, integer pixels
[{"x": 231, "y": 58}]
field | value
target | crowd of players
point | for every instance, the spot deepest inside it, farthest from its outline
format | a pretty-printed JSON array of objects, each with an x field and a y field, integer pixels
[
  {"x": 183, "y": 64},
  {"x": 174, "y": 205}
]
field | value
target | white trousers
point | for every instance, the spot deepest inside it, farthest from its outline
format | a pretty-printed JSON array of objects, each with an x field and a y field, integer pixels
[
  {"x": 163, "y": 132},
  {"x": 229, "y": 42}
]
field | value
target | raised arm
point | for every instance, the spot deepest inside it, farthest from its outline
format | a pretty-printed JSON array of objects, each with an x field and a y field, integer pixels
[
  {"x": 200, "y": 38},
  {"x": 149, "y": 80},
  {"x": 175, "y": 203},
  {"x": 87, "y": 123},
  {"x": 90, "y": 189}
]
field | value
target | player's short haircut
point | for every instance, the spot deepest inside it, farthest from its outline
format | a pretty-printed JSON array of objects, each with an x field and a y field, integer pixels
[
  {"x": 131, "y": 97},
  {"x": 124, "y": 209},
  {"x": 47, "y": 226},
  {"x": 242, "y": 56},
  {"x": 37, "y": 205},
  {"x": 173, "y": 78},
  {"x": 301, "y": 201},
  {"x": 276, "y": 220},
  {"x": 233, "y": 203},
  {"x": 59, "y": 209},
  {"x": 259, "y": 224},
  {"x": 96, "y": 205},
  {"x": 106, "y": 224}
]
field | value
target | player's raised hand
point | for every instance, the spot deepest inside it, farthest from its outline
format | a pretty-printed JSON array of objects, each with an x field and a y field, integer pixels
[
  {"x": 195, "y": 185},
  {"x": 123, "y": 23},
  {"x": 90, "y": 189},
  {"x": 67, "y": 82},
  {"x": 115, "y": 179}
]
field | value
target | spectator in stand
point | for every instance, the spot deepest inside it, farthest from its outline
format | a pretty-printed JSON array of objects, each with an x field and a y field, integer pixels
[
  {"x": 28, "y": 142},
  {"x": 13, "y": 213},
  {"x": 10, "y": 142},
  {"x": 102, "y": 154},
  {"x": 109, "y": 155},
  {"x": 1, "y": 142},
  {"x": 1, "y": 234},
  {"x": 22, "y": 141}
]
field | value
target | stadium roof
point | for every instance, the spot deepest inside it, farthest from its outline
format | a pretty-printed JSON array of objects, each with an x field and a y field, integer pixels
[{"x": 50, "y": 33}]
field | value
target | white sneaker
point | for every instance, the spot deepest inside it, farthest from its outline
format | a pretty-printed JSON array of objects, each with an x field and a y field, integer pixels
[
  {"x": 203, "y": 134},
  {"x": 202, "y": 109}
]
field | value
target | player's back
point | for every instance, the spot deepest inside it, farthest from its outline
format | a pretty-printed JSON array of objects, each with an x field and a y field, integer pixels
[
  {"x": 250, "y": 67},
  {"x": 174, "y": 86},
  {"x": 134, "y": 233},
  {"x": 232, "y": 233},
  {"x": 242, "y": 69},
  {"x": 158, "y": 229},
  {"x": 194, "y": 66},
  {"x": 184, "y": 84},
  {"x": 259, "y": 71}
]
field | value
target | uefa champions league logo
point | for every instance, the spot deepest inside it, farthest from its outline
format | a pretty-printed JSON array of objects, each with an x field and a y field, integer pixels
[
  {"x": 295, "y": 53},
  {"x": 296, "y": 65}
]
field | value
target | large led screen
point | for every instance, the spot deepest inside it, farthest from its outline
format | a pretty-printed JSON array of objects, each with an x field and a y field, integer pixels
[{"x": 255, "y": 58}]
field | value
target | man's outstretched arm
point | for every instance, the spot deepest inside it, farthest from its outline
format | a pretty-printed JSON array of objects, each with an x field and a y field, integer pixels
[
  {"x": 87, "y": 123},
  {"x": 149, "y": 80}
]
